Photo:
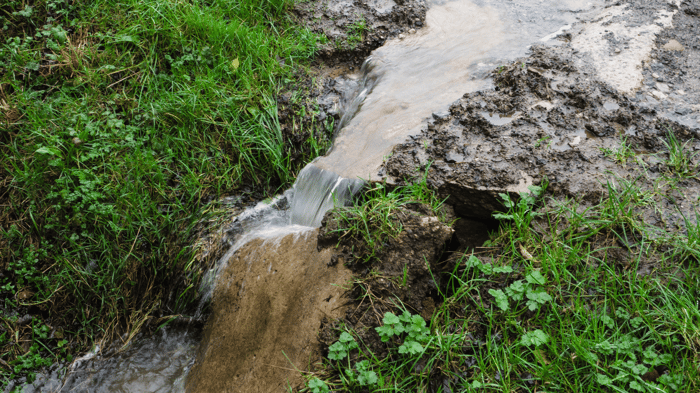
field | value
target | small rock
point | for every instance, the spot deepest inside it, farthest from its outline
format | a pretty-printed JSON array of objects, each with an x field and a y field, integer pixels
[
  {"x": 662, "y": 87},
  {"x": 412, "y": 31},
  {"x": 674, "y": 45},
  {"x": 655, "y": 75},
  {"x": 77, "y": 141},
  {"x": 453, "y": 157},
  {"x": 617, "y": 50},
  {"x": 681, "y": 92},
  {"x": 658, "y": 95},
  {"x": 441, "y": 115},
  {"x": 401, "y": 36}
]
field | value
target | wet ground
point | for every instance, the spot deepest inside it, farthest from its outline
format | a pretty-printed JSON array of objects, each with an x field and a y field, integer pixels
[
  {"x": 604, "y": 76},
  {"x": 549, "y": 118},
  {"x": 154, "y": 364}
]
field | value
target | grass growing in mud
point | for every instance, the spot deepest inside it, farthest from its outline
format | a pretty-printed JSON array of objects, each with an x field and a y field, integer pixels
[
  {"x": 561, "y": 299},
  {"x": 118, "y": 120},
  {"x": 373, "y": 216}
]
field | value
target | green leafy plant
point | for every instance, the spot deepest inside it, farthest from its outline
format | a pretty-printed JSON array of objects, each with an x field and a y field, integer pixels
[
  {"x": 362, "y": 375},
  {"x": 518, "y": 290},
  {"x": 414, "y": 327},
  {"x": 342, "y": 347},
  {"x": 316, "y": 385},
  {"x": 521, "y": 212},
  {"x": 535, "y": 338}
]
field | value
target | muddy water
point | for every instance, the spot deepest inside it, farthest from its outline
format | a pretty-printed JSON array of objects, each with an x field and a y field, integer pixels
[
  {"x": 403, "y": 83},
  {"x": 155, "y": 364},
  {"x": 421, "y": 73}
]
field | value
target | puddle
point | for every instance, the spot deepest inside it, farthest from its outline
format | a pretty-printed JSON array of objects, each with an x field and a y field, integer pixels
[
  {"x": 611, "y": 106},
  {"x": 566, "y": 142},
  {"x": 499, "y": 119}
]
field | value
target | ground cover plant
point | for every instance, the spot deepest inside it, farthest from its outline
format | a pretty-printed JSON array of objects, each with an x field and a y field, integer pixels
[
  {"x": 119, "y": 119},
  {"x": 562, "y": 298},
  {"x": 374, "y": 217}
]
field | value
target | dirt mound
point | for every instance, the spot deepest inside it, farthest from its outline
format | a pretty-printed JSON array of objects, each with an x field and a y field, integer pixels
[
  {"x": 267, "y": 307},
  {"x": 545, "y": 119},
  {"x": 400, "y": 274}
]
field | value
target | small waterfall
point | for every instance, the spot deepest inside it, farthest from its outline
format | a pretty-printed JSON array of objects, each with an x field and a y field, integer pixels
[
  {"x": 316, "y": 191},
  {"x": 352, "y": 104}
]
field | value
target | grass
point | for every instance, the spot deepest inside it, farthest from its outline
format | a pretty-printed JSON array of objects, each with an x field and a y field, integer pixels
[
  {"x": 620, "y": 154},
  {"x": 680, "y": 157},
  {"x": 562, "y": 298},
  {"x": 373, "y": 218},
  {"x": 119, "y": 120}
]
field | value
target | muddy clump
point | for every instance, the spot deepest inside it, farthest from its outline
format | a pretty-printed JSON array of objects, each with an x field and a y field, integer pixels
[
  {"x": 546, "y": 120},
  {"x": 399, "y": 275},
  {"x": 354, "y": 28},
  {"x": 672, "y": 77}
]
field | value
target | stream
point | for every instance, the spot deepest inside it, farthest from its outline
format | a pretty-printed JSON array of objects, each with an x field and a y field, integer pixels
[{"x": 400, "y": 86}]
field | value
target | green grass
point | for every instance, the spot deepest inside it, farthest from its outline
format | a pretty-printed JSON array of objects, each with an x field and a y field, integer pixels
[
  {"x": 620, "y": 154},
  {"x": 373, "y": 217},
  {"x": 562, "y": 298},
  {"x": 119, "y": 120},
  {"x": 680, "y": 158}
]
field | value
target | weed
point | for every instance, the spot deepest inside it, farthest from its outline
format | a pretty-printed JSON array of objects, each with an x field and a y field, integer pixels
[
  {"x": 545, "y": 141},
  {"x": 356, "y": 31},
  {"x": 552, "y": 306},
  {"x": 374, "y": 218},
  {"x": 680, "y": 157},
  {"x": 620, "y": 154}
]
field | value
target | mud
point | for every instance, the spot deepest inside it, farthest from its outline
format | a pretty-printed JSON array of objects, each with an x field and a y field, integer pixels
[
  {"x": 267, "y": 307},
  {"x": 311, "y": 106},
  {"x": 355, "y": 28},
  {"x": 562, "y": 119},
  {"x": 549, "y": 119}
]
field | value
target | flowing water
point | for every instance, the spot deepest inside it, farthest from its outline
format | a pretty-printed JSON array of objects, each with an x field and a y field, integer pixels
[{"x": 401, "y": 85}]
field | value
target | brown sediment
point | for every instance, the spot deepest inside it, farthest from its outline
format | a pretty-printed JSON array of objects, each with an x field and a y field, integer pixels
[{"x": 267, "y": 308}]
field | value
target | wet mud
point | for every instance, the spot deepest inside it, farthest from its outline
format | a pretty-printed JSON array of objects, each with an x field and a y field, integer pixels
[
  {"x": 268, "y": 303},
  {"x": 311, "y": 106},
  {"x": 560, "y": 123},
  {"x": 555, "y": 117},
  {"x": 353, "y": 28}
]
